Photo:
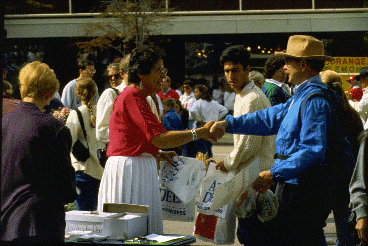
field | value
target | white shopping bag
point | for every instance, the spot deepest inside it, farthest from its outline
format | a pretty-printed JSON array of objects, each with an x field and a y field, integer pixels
[
  {"x": 174, "y": 209},
  {"x": 211, "y": 228},
  {"x": 183, "y": 178},
  {"x": 213, "y": 179}
]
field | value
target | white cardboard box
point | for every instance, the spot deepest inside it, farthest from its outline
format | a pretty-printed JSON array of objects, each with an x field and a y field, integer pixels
[{"x": 112, "y": 225}]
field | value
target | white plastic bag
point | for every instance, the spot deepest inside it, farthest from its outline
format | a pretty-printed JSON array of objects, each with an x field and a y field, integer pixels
[
  {"x": 213, "y": 179},
  {"x": 183, "y": 178},
  {"x": 216, "y": 226},
  {"x": 267, "y": 206},
  {"x": 246, "y": 204},
  {"x": 211, "y": 228},
  {"x": 264, "y": 205},
  {"x": 174, "y": 209}
]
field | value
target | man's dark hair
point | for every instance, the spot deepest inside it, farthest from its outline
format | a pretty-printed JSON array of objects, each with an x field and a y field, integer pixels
[
  {"x": 188, "y": 82},
  {"x": 236, "y": 54},
  {"x": 84, "y": 63},
  {"x": 273, "y": 64},
  {"x": 142, "y": 60}
]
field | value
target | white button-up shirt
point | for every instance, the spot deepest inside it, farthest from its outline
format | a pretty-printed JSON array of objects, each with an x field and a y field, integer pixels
[{"x": 104, "y": 110}]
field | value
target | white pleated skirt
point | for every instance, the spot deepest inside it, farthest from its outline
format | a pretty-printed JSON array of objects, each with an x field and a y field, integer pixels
[{"x": 133, "y": 180}]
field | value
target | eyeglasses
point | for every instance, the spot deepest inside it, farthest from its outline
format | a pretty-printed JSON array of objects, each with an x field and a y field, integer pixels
[
  {"x": 162, "y": 70},
  {"x": 116, "y": 76},
  {"x": 91, "y": 70},
  {"x": 186, "y": 87}
]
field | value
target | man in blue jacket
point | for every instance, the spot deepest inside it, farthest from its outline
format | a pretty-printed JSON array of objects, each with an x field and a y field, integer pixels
[{"x": 300, "y": 170}]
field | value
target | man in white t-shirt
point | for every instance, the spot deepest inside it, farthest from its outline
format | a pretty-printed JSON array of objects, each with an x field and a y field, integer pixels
[{"x": 118, "y": 77}]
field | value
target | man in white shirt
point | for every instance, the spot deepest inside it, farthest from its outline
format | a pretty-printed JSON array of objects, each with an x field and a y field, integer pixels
[
  {"x": 119, "y": 80},
  {"x": 247, "y": 148},
  {"x": 188, "y": 96},
  {"x": 362, "y": 106},
  {"x": 69, "y": 98}
]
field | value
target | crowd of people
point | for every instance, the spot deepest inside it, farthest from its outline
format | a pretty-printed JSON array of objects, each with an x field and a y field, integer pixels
[{"x": 305, "y": 130}]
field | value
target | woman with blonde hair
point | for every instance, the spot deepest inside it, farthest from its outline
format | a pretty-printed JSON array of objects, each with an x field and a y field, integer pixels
[
  {"x": 89, "y": 172},
  {"x": 37, "y": 179},
  {"x": 353, "y": 125}
]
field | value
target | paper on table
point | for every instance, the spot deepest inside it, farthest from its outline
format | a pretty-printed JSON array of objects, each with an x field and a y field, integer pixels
[
  {"x": 162, "y": 238},
  {"x": 235, "y": 187}
]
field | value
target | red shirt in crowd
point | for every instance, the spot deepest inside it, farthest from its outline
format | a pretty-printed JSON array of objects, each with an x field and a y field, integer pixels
[
  {"x": 170, "y": 94},
  {"x": 132, "y": 125},
  {"x": 356, "y": 93}
]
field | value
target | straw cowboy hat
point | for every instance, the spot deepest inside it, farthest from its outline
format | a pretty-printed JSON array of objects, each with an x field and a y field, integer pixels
[{"x": 301, "y": 46}]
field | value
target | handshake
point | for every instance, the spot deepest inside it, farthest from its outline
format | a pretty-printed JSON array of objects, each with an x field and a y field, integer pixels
[{"x": 214, "y": 130}]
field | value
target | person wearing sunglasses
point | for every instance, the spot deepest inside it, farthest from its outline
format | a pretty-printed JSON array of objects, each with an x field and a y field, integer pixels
[
  {"x": 69, "y": 98},
  {"x": 114, "y": 75},
  {"x": 118, "y": 78}
]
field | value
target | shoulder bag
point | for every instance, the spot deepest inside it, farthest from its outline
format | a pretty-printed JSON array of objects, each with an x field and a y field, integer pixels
[{"x": 80, "y": 152}]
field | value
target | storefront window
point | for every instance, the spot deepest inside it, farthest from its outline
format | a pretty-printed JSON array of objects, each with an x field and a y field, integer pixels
[
  {"x": 272, "y": 4},
  {"x": 209, "y": 5},
  {"x": 335, "y": 4}
]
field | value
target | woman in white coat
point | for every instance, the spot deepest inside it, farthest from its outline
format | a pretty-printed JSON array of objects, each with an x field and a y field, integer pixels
[
  {"x": 203, "y": 110},
  {"x": 89, "y": 172}
]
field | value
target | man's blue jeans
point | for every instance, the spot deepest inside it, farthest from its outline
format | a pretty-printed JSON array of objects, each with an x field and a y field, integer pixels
[{"x": 87, "y": 199}]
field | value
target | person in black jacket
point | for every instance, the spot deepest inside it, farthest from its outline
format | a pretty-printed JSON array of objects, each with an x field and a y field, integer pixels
[
  {"x": 37, "y": 178},
  {"x": 352, "y": 127}
]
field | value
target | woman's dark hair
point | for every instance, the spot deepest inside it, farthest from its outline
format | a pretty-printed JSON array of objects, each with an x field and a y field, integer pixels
[
  {"x": 273, "y": 64},
  {"x": 142, "y": 60},
  {"x": 236, "y": 54},
  {"x": 178, "y": 102},
  {"x": 204, "y": 91}
]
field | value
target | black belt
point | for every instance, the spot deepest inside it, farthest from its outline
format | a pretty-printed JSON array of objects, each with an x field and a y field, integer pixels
[{"x": 282, "y": 157}]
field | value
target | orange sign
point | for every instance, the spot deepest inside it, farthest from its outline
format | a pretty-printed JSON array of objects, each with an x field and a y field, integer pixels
[{"x": 346, "y": 66}]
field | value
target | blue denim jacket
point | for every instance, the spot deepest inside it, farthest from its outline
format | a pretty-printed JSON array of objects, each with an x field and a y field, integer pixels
[{"x": 300, "y": 135}]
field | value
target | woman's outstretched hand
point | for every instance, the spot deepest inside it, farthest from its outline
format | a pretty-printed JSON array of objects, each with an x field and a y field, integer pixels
[
  {"x": 218, "y": 130},
  {"x": 205, "y": 130}
]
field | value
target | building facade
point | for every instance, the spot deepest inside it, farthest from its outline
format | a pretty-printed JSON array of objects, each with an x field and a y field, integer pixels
[{"x": 208, "y": 26}]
